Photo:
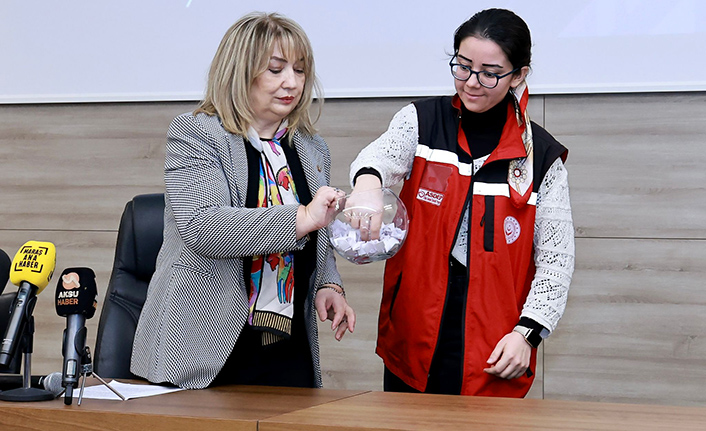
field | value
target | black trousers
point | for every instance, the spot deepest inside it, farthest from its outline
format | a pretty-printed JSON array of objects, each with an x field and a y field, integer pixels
[{"x": 285, "y": 363}]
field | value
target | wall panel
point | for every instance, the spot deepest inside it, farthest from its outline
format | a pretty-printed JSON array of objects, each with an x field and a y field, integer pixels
[{"x": 634, "y": 326}]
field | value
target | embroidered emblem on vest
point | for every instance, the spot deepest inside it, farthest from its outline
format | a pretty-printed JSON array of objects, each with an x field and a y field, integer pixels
[
  {"x": 517, "y": 174},
  {"x": 512, "y": 229},
  {"x": 429, "y": 196}
]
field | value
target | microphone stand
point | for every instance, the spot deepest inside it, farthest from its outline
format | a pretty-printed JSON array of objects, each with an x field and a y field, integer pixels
[
  {"x": 87, "y": 371},
  {"x": 26, "y": 392}
]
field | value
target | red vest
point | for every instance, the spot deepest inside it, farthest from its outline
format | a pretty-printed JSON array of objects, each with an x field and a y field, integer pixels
[{"x": 500, "y": 256}]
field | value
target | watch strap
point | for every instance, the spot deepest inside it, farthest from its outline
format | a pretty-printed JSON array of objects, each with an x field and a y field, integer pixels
[{"x": 532, "y": 336}]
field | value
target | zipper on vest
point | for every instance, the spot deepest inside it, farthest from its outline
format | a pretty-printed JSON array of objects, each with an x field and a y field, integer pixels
[
  {"x": 487, "y": 222},
  {"x": 467, "y": 204}
]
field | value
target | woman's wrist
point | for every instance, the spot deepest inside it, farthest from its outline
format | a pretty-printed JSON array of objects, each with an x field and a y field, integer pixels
[
  {"x": 367, "y": 171},
  {"x": 304, "y": 223},
  {"x": 367, "y": 182},
  {"x": 336, "y": 288}
]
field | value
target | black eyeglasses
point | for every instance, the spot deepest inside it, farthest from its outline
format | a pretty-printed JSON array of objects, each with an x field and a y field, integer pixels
[{"x": 486, "y": 79}]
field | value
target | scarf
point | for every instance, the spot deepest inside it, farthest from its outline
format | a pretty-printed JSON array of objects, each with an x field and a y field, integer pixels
[
  {"x": 520, "y": 173},
  {"x": 271, "y": 300}
]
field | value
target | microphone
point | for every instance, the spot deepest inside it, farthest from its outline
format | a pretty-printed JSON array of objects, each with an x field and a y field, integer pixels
[
  {"x": 4, "y": 269},
  {"x": 50, "y": 382},
  {"x": 76, "y": 300},
  {"x": 31, "y": 270}
]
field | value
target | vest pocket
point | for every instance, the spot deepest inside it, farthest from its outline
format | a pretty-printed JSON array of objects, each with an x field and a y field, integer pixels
[
  {"x": 433, "y": 184},
  {"x": 487, "y": 222}
]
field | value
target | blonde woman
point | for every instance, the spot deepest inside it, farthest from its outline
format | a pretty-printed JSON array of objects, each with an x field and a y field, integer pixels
[{"x": 245, "y": 266}]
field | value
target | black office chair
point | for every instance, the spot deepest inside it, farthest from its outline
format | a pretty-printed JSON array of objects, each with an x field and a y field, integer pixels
[
  {"x": 6, "y": 301},
  {"x": 139, "y": 239}
]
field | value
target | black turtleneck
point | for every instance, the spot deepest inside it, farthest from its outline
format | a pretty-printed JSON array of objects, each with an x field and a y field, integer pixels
[{"x": 483, "y": 130}]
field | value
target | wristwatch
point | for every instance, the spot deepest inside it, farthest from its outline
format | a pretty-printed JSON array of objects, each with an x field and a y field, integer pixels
[{"x": 532, "y": 336}]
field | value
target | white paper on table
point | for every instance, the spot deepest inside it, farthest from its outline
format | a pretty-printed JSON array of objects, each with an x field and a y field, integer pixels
[{"x": 100, "y": 392}]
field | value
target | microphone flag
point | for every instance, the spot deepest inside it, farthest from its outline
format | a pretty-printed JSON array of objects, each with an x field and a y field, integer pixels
[
  {"x": 34, "y": 263},
  {"x": 76, "y": 292}
]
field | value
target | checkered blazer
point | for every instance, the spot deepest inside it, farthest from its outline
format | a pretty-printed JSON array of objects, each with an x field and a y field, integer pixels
[{"x": 197, "y": 302}]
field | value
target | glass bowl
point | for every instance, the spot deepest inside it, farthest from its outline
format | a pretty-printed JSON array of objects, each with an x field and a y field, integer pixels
[{"x": 369, "y": 226}]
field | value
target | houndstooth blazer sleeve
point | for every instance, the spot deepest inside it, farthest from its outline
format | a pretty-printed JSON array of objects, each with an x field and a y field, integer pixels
[
  {"x": 196, "y": 303},
  {"x": 206, "y": 180}
]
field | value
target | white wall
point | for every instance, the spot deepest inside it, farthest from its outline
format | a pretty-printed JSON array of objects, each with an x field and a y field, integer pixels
[{"x": 145, "y": 50}]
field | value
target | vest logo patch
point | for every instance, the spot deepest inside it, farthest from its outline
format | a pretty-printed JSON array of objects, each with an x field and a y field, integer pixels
[
  {"x": 429, "y": 196},
  {"x": 512, "y": 229}
]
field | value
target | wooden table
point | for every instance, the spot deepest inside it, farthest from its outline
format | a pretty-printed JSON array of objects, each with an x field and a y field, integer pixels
[
  {"x": 230, "y": 408},
  {"x": 277, "y": 409},
  {"x": 395, "y": 411}
]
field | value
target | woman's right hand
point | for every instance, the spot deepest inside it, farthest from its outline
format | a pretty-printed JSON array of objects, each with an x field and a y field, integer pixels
[
  {"x": 331, "y": 304},
  {"x": 320, "y": 211},
  {"x": 368, "y": 216}
]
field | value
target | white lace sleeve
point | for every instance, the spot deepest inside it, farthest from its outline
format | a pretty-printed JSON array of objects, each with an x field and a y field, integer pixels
[
  {"x": 392, "y": 154},
  {"x": 554, "y": 249}
]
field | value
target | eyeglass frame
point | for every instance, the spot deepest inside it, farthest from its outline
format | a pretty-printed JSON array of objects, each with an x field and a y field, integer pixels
[{"x": 497, "y": 77}]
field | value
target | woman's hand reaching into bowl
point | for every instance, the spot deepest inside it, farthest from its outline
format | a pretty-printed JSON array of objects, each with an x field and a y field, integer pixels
[
  {"x": 371, "y": 224},
  {"x": 364, "y": 207}
]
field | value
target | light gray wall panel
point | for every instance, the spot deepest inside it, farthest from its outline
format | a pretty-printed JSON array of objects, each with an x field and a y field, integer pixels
[
  {"x": 74, "y": 166},
  {"x": 635, "y": 325},
  {"x": 636, "y": 163}
]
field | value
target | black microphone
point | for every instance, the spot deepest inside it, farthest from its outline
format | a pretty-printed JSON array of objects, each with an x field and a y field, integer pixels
[
  {"x": 50, "y": 382},
  {"x": 76, "y": 300},
  {"x": 4, "y": 270},
  {"x": 31, "y": 270}
]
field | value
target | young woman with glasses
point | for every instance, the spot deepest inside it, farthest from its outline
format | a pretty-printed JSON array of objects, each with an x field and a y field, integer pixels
[{"x": 484, "y": 273}]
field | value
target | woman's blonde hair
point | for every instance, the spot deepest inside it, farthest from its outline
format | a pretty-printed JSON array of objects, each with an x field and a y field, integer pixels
[{"x": 243, "y": 54}]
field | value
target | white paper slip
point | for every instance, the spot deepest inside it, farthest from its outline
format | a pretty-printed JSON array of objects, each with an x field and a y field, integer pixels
[{"x": 100, "y": 392}]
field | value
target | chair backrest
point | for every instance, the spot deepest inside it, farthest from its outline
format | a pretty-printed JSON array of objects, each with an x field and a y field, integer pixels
[
  {"x": 6, "y": 302},
  {"x": 139, "y": 240}
]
